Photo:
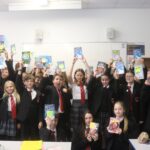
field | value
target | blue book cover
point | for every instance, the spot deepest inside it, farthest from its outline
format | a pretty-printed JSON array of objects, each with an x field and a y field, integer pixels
[
  {"x": 120, "y": 68},
  {"x": 137, "y": 53},
  {"x": 49, "y": 110},
  {"x": 2, "y": 63},
  {"x": 26, "y": 57},
  {"x": 78, "y": 52},
  {"x": 138, "y": 71},
  {"x": 46, "y": 60},
  {"x": 61, "y": 65}
]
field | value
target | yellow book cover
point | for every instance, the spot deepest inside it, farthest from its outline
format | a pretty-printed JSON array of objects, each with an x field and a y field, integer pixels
[{"x": 31, "y": 145}]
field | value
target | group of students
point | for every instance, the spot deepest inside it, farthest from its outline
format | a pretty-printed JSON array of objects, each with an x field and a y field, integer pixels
[{"x": 79, "y": 99}]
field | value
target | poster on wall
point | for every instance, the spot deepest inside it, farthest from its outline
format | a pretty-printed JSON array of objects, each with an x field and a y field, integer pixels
[{"x": 135, "y": 49}]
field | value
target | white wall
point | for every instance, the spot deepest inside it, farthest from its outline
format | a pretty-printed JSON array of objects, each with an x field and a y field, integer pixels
[{"x": 79, "y": 26}]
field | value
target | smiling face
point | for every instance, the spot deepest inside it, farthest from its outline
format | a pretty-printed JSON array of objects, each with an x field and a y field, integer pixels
[
  {"x": 9, "y": 87},
  {"x": 79, "y": 76},
  {"x": 105, "y": 80},
  {"x": 129, "y": 77},
  {"x": 57, "y": 81},
  {"x": 118, "y": 110},
  {"x": 88, "y": 118}
]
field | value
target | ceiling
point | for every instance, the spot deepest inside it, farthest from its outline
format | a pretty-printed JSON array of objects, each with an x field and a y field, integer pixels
[{"x": 93, "y": 4}]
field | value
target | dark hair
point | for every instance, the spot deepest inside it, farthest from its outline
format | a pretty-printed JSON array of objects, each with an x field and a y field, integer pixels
[
  {"x": 29, "y": 77},
  {"x": 130, "y": 71},
  {"x": 106, "y": 74},
  {"x": 55, "y": 75},
  {"x": 82, "y": 71}
]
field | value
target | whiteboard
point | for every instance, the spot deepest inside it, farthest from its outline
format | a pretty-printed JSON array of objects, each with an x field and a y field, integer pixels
[{"x": 93, "y": 52}]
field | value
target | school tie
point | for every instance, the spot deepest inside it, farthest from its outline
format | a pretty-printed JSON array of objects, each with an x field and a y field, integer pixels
[
  {"x": 53, "y": 137},
  {"x": 13, "y": 107},
  {"x": 60, "y": 101},
  {"x": 130, "y": 98},
  {"x": 82, "y": 93}
]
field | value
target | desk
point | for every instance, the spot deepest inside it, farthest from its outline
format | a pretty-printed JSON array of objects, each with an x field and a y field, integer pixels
[
  {"x": 138, "y": 146},
  {"x": 15, "y": 145}
]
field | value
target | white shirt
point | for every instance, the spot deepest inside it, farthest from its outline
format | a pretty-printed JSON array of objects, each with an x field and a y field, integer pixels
[
  {"x": 76, "y": 92},
  {"x": 33, "y": 93},
  {"x": 9, "y": 102},
  {"x": 131, "y": 87}
]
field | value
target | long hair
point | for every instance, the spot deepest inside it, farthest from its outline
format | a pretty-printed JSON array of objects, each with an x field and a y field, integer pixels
[
  {"x": 8, "y": 83},
  {"x": 126, "y": 122},
  {"x": 82, "y": 71}
]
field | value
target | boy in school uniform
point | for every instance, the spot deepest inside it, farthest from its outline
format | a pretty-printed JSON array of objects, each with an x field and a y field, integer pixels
[{"x": 30, "y": 108}]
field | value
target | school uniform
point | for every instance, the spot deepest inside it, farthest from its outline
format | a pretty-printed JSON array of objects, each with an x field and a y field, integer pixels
[
  {"x": 56, "y": 135},
  {"x": 29, "y": 111},
  {"x": 78, "y": 106},
  {"x": 145, "y": 108},
  {"x": 7, "y": 121},
  {"x": 121, "y": 141},
  {"x": 79, "y": 141},
  {"x": 131, "y": 98},
  {"x": 60, "y": 100}
]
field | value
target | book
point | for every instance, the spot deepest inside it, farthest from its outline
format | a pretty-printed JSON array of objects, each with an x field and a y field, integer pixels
[
  {"x": 138, "y": 71},
  {"x": 101, "y": 64},
  {"x": 94, "y": 126},
  {"x": 26, "y": 57},
  {"x": 13, "y": 48},
  {"x": 46, "y": 60},
  {"x": 137, "y": 53},
  {"x": 32, "y": 145},
  {"x": 78, "y": 52},
  {"x": 120, "y": 67},
  {"x": 2, "y": 43},
  {"x": 49, "y": 110},
  {"x": 115, "y": 54},
  {"x": 114, "y": 124},
  {"x": 2, "y": 63},
  {"x": 61, "y": 65}
]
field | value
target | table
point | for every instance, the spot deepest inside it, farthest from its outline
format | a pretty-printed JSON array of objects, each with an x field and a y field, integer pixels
[
  {"x": 15, "y": 145},
  {"x": 137, "y": 146}
]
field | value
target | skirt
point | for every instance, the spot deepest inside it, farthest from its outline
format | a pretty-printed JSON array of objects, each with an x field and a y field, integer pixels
[
  {"x": 8, "y": 127},
  {"x": 77, "y": 111}
]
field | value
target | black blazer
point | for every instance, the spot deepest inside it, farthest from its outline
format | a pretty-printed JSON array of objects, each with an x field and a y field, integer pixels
[
  {"x": 4, "y": 109},
  {"x": 79, "y": 142},
  {"x": 45, "y": 135},
  {"x": 28, "y": 108},
  {"x": 121, "y": 142}
]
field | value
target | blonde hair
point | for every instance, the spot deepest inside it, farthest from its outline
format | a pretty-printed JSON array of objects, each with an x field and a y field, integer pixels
[
  {"x": 126, "y": 122},
  {"x": 7, "y": 83}
]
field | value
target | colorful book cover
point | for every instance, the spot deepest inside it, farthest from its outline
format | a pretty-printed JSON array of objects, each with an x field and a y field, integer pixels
[
  {"x": 13, "y": 48},
  {"x": 49, "y": 110},
  {"x": 78, "y": 52},
  {"x": 138, "y": 71},
  {"x": 120, "y": 68},
  {"x": 61, "y": 65},
  {"x": 38, "y": 62},
  {"x": 137, "y": 53},
  {"x": 101, "y": 64},
  {"x": 2, "y": 43},
  {"x": 26, "y": 57},
  {"x": 2, "y": 63},
  {"x": 44, "y": 60},
  {"x": 115, "y": 54},
  {"x": 113, "y": 125},
  {"x": 94, "y": 126},
  {"x": 32, "y": 145}
]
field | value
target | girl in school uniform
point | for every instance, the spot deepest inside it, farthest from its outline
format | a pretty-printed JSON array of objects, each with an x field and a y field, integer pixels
[
  {"x": 127, "y": 128},
  {"x": 8, "y": 111},
  {"x": 83, "y": 138},
  {"x": 79, "y": 94}
]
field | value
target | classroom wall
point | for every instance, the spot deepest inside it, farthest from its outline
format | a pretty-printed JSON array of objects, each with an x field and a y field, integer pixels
[{"x": 77, "y": 26}]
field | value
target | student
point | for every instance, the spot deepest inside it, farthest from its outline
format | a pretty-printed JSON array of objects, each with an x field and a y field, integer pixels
[
  {"x": 79, "y": 94},
  {"x": 145, "y": 105},
  {"x": 102, "y": 97},
  {"x": 6, "y": 73},
  {"x": 30, "y": 111},
  {"x": 83, "y": 138},
  {"x": 54, "y": 94},
  {"x": 8, "y": 111},
  {"x": 130, "y": 95},
  {"x": 119, "y": 139},
  {"x": 52, "y": 132}
]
